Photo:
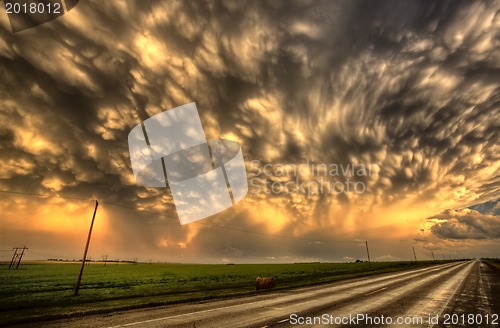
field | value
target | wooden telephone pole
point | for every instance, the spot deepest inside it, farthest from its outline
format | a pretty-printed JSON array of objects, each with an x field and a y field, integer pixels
[
  {"x": 77, "y": 289},
  {"x": 368, "y": 253}
]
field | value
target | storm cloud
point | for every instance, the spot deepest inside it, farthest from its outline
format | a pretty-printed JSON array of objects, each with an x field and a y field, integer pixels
[
  {"x": 408, "y": 89},
  {"x": 468, "y": 223}
]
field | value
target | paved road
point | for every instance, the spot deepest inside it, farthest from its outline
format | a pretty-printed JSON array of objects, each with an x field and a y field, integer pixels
[{"x": 468, "y": 288}]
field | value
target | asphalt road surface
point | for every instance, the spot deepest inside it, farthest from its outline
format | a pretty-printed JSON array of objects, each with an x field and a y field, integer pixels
[{"x": 460, "y": 294}]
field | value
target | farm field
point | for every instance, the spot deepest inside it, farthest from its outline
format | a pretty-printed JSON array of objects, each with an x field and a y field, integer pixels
[
  {"x": 44, "y": 290},
  {"x": 493, "y": 262}
]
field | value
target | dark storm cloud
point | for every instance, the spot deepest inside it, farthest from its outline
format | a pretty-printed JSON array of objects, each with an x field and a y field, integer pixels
[
  {"x": 476, "y": 222},
  {"x": 409, "y": 88},
  {"x": 492, "y": 207}
]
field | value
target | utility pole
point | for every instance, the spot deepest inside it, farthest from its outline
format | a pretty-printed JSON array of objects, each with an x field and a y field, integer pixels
[
  {"x": 18, "y": 255},
  {"x": 105, "y": 259},
  {"x": 414, "y": 254},
  {"x": 14, "y": 257},
  {"x": 77, "y": 289},
  {"x": 368, "y": 253},
  {"x": 433, "y": 257}
]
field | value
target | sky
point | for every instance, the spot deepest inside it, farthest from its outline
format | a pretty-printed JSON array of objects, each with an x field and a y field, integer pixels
[{"x": 357, "y": 120}]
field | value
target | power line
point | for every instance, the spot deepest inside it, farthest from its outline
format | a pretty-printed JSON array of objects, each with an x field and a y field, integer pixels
[
  {"x": 137, "y": 210},
  {"x": 233, "y": 228},
  {"x": 277, "y": 236},
  {"x": 44, "y": 195},
  {"x": 175, "y": 218},
  {"x": 141, "y": 211}
]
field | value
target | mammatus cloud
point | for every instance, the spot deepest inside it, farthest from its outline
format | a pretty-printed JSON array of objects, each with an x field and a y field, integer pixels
[{"x": 409, "y": 90}]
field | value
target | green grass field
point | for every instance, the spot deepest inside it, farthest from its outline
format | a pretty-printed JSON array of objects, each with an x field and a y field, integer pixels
[
  {"x": 44, "y": 290},
  {"x": 493, "y": 262}
]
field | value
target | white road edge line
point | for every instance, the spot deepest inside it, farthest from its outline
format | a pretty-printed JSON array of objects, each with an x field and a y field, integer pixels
[
  {"x": 375, "y": 291},
  {"x": 453, "y": 294},
  {"x": 183, "y": 315}
]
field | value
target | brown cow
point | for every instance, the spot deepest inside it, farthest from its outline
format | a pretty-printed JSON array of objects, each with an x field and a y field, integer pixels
[{"x": 265, "y": 283}]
